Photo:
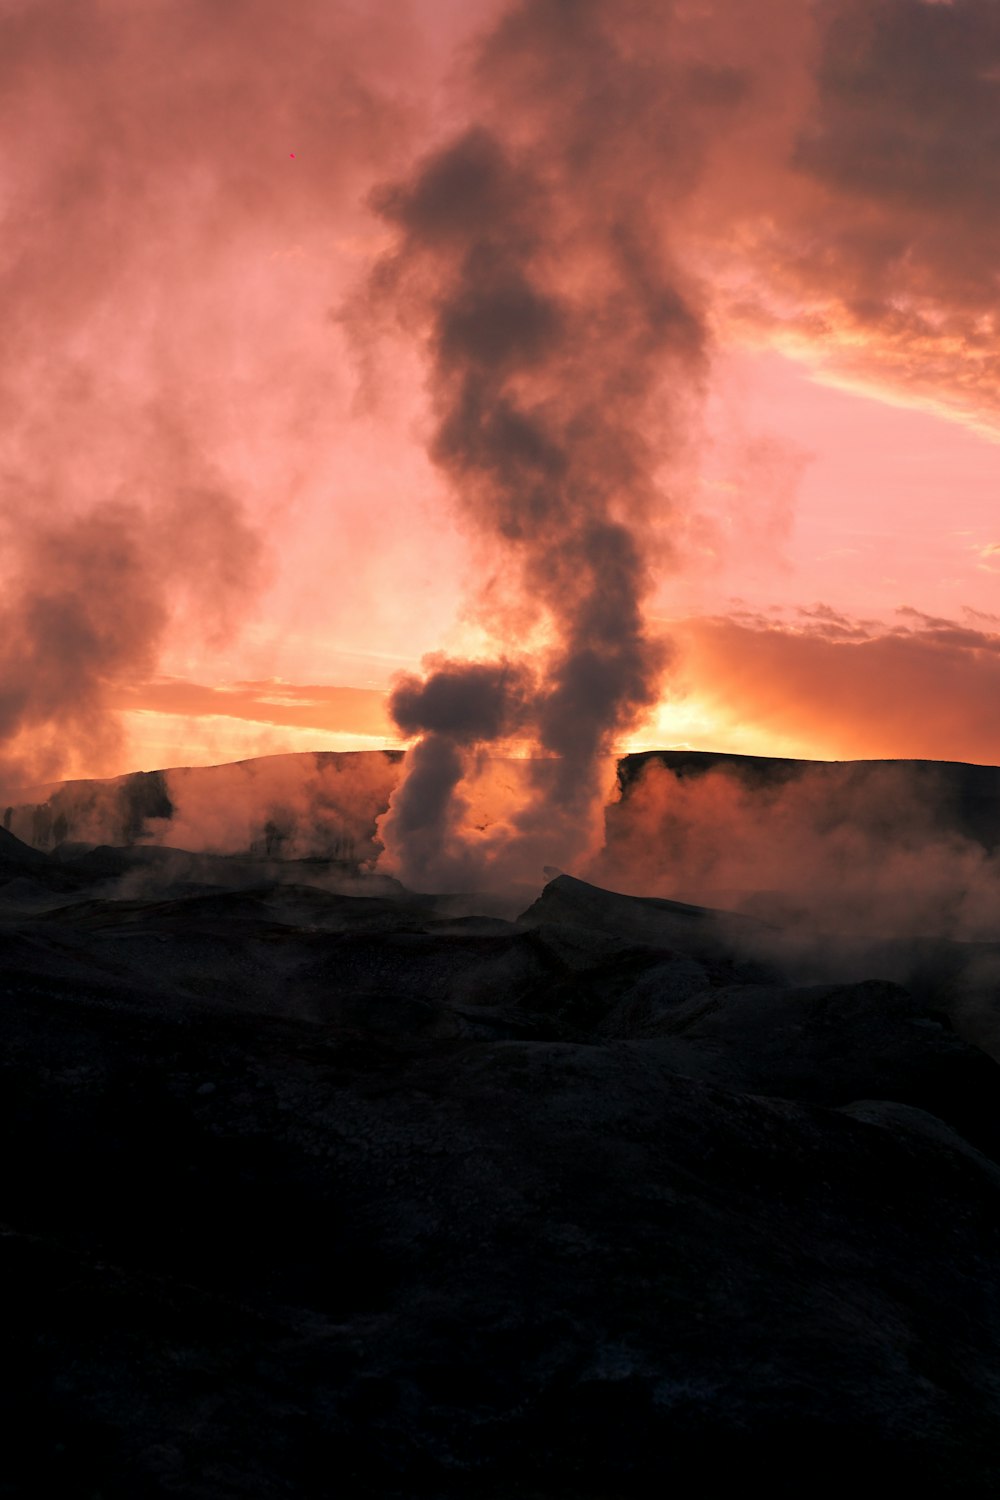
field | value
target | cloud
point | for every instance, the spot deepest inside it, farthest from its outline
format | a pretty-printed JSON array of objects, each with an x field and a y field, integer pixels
[
  {"x": 923, "y": 688},
  {"x": 863, "y": 234},
  {"x": 319, "y": 706}
]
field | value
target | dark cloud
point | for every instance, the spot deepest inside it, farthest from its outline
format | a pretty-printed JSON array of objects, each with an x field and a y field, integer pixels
[
  {"x": 875, "y": 219},
  {"x": 907, "y": 112}
]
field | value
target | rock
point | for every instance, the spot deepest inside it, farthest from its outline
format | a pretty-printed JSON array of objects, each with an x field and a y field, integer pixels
[
  {"x": 16, "y": 857},
  {"x": 829, "y": 1044},
  {"x": 570, "y": 903},
  {"x": 561, "y": 1208}
]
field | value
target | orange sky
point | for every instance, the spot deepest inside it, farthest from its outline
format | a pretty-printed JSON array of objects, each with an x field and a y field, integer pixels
[{"x": 221, "y": 534}]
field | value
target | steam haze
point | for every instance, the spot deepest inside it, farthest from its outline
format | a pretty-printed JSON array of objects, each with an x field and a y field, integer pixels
[{"x": 160, "y": 378}]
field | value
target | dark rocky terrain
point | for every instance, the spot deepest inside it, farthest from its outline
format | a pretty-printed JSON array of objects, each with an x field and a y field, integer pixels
[{"x": 312, "y": 1186}]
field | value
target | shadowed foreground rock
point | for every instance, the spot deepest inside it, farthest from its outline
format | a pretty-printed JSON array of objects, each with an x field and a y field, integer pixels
[{"x": 307, "y": 1192}]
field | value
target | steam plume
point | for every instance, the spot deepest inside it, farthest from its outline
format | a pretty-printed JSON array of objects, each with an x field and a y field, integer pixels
[
  {"x": 563, "y": 346},
  {"x": 88, "y": 605},
  {"x": 163, "y": 364}
]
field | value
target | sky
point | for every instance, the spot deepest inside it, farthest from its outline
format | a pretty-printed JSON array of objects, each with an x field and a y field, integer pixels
[{"x": 264, "y": 269}]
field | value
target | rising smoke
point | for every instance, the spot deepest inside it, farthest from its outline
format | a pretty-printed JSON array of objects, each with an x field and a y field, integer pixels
[{"x": 564, "y": 349}]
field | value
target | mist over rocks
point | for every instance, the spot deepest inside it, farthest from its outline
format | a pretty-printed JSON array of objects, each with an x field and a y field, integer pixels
[
  {"x": 316, "y": 1175},
  {"x": 877, "y": 848},
  {"x": 952, "y": 796},
  {"x": 874, "y": 847},
  {"x": 322, "y": 804}
]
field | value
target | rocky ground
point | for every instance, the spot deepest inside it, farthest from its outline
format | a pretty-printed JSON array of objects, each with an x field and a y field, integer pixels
[{"x": 314, "y": 1187}]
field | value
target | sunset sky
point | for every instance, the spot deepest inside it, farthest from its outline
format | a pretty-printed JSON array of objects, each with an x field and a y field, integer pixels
[{"x": 226, "y": 524}]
